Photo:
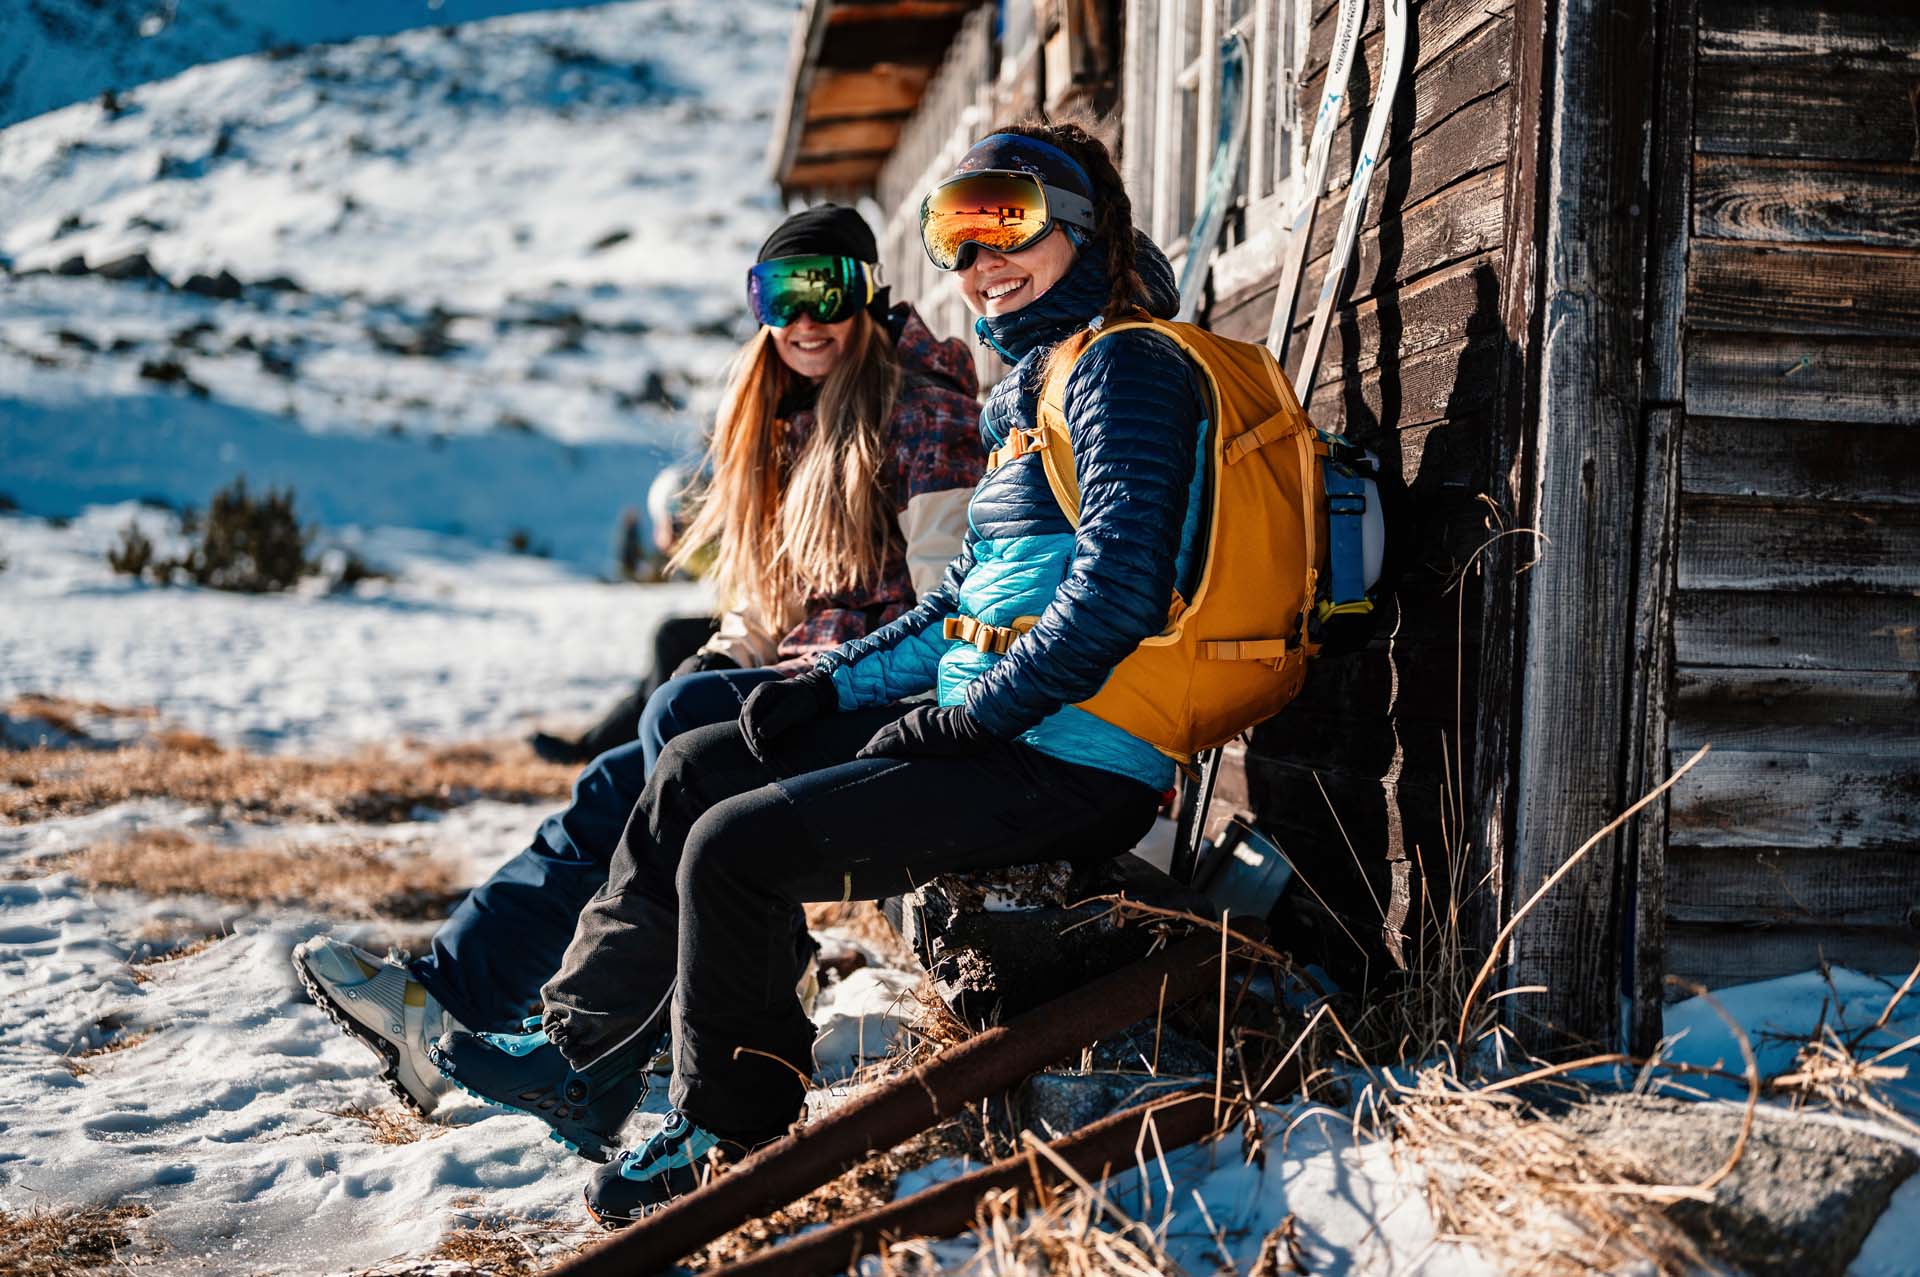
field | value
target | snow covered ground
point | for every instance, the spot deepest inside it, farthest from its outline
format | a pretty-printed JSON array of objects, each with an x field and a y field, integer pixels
[{"x": 476, "y": 279}]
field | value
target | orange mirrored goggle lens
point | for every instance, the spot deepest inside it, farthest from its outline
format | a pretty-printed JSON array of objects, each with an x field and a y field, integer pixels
[{"x": 1003, "y": 213}]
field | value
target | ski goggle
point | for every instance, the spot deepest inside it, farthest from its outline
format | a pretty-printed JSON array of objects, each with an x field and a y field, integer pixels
[
  {"x": 998, "y": 209},
  {"x": 830, "y": 289}
]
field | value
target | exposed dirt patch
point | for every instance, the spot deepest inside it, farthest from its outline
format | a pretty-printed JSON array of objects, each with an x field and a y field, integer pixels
[{"x": 372, "y": 786}]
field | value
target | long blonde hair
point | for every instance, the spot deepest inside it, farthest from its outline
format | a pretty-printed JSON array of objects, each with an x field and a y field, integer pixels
[{"x": 784, "y": 528}]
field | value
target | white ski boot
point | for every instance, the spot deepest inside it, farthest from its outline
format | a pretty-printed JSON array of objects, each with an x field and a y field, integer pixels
[{"x": 374, "y": 1000}]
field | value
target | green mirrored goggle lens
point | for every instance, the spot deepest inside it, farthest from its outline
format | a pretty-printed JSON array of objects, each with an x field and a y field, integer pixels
[{"x": 829, "y": 289}]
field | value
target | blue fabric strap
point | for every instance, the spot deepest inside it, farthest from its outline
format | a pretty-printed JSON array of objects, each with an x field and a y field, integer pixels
[{"x": 1346, "y": 551}]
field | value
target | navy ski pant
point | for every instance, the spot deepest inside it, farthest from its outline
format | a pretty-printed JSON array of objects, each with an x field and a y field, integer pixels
[
  {"x": 699, "y": 917},
  {"x": 500, "y": 944}
]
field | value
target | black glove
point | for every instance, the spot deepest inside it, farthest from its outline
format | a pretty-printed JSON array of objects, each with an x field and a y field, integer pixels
[
  {"x": 776, "y": 708},
  {"x": 701, "y": 662},
  {"x": 931, "y": 731}
]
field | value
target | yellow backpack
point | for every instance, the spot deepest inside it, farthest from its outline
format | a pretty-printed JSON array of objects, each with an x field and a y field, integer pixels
[{"x": 1236, "y": 652}]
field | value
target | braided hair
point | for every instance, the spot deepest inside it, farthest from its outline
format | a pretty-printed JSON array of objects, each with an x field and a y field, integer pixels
[{"x": 1112, "y": 208}]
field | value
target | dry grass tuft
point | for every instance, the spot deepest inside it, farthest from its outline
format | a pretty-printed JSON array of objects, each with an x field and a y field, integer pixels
[
  {"x": 125, "y": 1040},
  {"x": 510, "y": 1245},
  {"x": 866, "y": 1186},
  {"x": 390, "y": 1123},
  {"x": 346, "y": 879},
  {"x": 372, "y": 786},
  {"x": 48, "y": 1243}
]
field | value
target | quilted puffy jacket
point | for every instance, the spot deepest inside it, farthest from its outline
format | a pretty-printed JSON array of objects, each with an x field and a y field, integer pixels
[{"x": 1136, "y": 414}]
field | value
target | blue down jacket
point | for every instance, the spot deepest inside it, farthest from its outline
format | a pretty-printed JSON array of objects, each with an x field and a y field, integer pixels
[{"x": 1136, "y": 412}]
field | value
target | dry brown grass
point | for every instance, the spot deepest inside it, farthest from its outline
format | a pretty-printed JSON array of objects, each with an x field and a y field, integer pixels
[
  {"x": 76, "y": 1062},
  {"x": 390, "y": 1123},
  {"x": 511, "y": 1245},
  {"x": 372, "y": 786},
  {"x": 55, "y": 1243},
  {"x": 347, "y": 879}
]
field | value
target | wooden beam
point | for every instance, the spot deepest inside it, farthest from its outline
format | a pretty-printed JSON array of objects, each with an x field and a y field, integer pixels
[
  {"x": 810, "y": 28},
  {"x": 827, "y": 139},
  {"x": 1650, "y": 756},
  {"x": 883, "y": 89},
  {"x": 844, "y": 175},
  {"x": 1507, "y": 559},
  {"x": 1583, "y": 494}
]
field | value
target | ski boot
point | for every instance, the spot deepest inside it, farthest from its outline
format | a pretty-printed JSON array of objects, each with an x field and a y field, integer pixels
[
  {"x": 526, "y": 1073},
  {"x": 673, "y": 1161},
  {"x": 375, "y": 1000}
]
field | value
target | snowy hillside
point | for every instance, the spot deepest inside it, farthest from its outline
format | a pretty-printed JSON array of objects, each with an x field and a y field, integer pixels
[
  {"x": 471, "y": 279},
  {"x": 58, "y": 52}
]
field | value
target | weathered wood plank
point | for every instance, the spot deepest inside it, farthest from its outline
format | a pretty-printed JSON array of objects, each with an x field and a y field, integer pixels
[
  {"x": 1480, "y": 65},
  {"x": 1815, "y": 711},
  {"x": 1459, "y": 221},
  {"x": 1796, "y": 31},
  {"x": 1775, "y": 288},
  {"x": 1812, "y": 378},
  {"x": 1435, "y": 25},
  {"x": 885, "y": 89},
  {"x": 1801, "y": 460},
  {"x": 1830, "y": 108},
  {"x": 1748, "y": 197},
  {"x": 1766, "y": 885},
  {"x": 1447, "y": 382},
  {"x": 1797, "y": 631},
  {"x": 1736, "y": 798},
  {"x": 1740, "y": 543},
  {"x": 1469, "y": 142},
  {"x": 1717, "y": 956},
  {"x": 1446, "y": 306}
]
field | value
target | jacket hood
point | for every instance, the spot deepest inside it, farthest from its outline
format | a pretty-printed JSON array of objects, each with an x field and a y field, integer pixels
[
  {"x": 1080, "y": 295},
  {"x": 925, "y": 357}
]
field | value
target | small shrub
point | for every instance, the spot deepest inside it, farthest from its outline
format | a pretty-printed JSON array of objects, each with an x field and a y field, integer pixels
[
  {"x": 134, "y": 555},
  {"x": 245, "y": 544},
  {"x": 249, "y": 545}
]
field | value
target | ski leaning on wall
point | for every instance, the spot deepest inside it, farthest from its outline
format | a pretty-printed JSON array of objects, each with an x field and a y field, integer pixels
[
  {"x": 1229, "y": 149},
  {"x": 1391, "y": 67},
  {"x": 1346, "y": 37}
]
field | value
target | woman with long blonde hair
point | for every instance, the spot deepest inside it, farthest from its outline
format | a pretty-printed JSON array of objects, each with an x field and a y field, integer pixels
[{"x": 842, "y": 456}]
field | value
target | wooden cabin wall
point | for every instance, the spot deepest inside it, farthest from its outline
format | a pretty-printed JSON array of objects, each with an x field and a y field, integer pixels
[
  {"x": 1797, "y": 611},
  {"x": 1369, "y": 766}
]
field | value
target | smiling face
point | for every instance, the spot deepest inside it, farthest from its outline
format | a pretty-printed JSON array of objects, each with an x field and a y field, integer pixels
[
  {"x": 1001, "y": 283},
  {"x": 810, "y": 348}
]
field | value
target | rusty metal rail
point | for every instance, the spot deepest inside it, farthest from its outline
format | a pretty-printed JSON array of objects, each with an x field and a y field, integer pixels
[
  {"x": 903, "y": 1107},
  {"x": 949, "y": 1208}
]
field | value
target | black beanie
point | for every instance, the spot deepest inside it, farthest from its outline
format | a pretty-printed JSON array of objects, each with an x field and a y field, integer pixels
[
  {"x": 833, "y": 230},
  {"x": 830, "y": 229}
]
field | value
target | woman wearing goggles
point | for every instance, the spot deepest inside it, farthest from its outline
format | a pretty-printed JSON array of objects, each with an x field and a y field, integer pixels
[
  {"x": 832, "y": 786},
  {"x": 842, "y": 455}
]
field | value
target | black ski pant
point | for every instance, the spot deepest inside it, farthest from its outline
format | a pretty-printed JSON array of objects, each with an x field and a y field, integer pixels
[
  {"x": 674, "y": 640},
  {"x": 698, "y": 920}
]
